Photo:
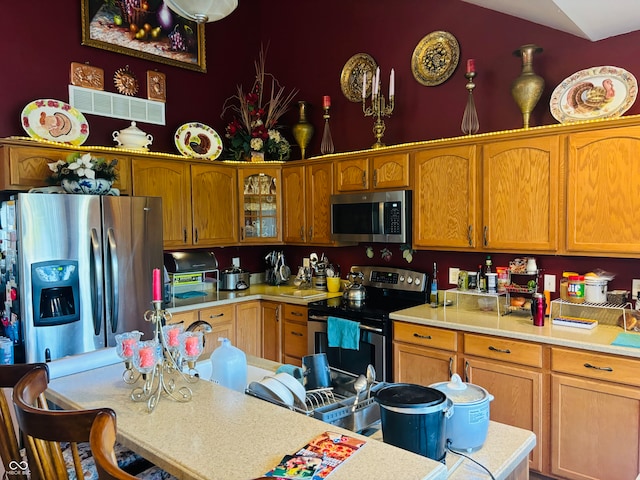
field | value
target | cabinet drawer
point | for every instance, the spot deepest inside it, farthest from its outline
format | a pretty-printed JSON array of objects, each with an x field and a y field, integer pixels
[
  {"x": 187, "y": 317},
  {"x": 425, "y": 336},
  {"x": 295, "y": 313},
  {"x": 213, "y": 315},
  {"x": 596, "y": 366},
  {"x": 295, "y": 339},
  {"x": 503, "y": 349}
]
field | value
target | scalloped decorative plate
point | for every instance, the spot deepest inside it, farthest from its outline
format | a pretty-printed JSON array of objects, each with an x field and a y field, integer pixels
[
  {"x": 435, "y": 58},
  {"x": 353, "y": 73},
  {"x": 198, "y": 140},
  {"x": 596, "y": 92},
  {"x": 54, "y": 120}
]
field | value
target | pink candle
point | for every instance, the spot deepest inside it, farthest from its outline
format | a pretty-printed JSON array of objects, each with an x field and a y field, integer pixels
[
  {"x": 157, "y": 296},
  {"x": 172, "y": 335},
  {"x": 192, "y": 346},
  {"x": 146, "y": 357},
  {"x": 326, "y": 101},
  {"x": 127, "y": 347},
  {"x": 471, "y": 65}
]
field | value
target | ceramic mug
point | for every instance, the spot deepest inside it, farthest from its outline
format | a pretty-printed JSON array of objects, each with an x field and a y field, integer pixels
[
  {"x": 333, "y": 284},
  {"x": 315, "y": 370}
]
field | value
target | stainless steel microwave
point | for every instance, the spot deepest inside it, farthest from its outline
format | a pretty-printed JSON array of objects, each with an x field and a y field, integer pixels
[{"x": 383, "y": 217}]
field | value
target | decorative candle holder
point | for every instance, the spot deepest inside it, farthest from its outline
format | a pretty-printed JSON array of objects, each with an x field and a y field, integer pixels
[
  {"x": 326, "y": 146},
  {"x": 378, "y": 108},
  {"x": 470, "y": 124},
  {"x": 159, "y": 360}
]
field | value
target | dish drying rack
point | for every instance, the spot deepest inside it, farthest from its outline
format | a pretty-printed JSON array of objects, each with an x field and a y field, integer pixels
[{"x": 330, "y": 406}]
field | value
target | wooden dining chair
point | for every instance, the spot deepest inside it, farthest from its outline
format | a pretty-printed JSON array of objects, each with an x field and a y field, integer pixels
[
  {"x": 10, "y": 451},
  {"x": 47, "y": 430},
  {"x": 102, "y": 441}
]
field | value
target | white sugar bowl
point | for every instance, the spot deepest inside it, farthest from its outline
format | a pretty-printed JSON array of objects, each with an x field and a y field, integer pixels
[{"x": 132, "y": 137}]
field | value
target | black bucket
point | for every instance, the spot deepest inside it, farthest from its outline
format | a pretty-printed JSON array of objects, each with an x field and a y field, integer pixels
[{"x": 413, "y": 418}]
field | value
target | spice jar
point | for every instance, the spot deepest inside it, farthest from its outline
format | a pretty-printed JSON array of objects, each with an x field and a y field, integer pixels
[{"x": 575, "y": 289}]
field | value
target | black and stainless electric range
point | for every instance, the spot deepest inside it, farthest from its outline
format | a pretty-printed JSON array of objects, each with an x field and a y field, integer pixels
[{"x": 388, "y": 289}]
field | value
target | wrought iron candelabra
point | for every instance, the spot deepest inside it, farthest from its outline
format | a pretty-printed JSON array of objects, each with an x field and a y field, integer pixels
[
  {"x": 159, "y": 361},
  {"x": 378, "y": 108},
  {"x": 470, "y": 124}
]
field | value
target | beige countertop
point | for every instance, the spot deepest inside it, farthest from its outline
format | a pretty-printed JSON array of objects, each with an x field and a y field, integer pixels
[
  {"x": 223, "y": 434},
  {"x": 520, "y": 326}
]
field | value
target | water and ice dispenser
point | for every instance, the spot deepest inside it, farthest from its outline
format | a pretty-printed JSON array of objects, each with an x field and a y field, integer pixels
[{"x": 55, "y": 292}]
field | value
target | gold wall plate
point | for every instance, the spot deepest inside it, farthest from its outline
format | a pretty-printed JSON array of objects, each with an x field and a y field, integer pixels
[
  {"x": 435, "y": 58},
  {"x": 353, "y": 73}
]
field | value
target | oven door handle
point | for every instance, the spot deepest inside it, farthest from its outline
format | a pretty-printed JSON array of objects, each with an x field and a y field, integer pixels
[{"x": 323, "y": 318}]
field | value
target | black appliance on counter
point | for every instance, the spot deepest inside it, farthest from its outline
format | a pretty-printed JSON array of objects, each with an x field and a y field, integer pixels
[{"x": 388, "y": 289}]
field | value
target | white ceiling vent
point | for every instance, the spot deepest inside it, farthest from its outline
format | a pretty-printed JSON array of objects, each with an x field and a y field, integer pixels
[{"x": 114, "y": 105}]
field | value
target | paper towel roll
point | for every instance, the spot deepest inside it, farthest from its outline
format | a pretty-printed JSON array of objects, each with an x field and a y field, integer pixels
[{"x": 83, "y": 362}]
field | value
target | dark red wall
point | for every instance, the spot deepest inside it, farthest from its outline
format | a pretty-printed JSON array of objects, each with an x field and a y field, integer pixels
[{"x": 309, "y": 44}]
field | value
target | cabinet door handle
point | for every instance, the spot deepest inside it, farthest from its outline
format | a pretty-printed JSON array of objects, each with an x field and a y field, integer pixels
[
  {"x": 302, "y": 233},
  {"x": 296, "y": 314},
  {"x": 196, "y": 239},
  {"x": 310, "y": 233},
  {"x": 297, "y": 334},
  {"x": 426, "y": 337},
  {"x": 375, "y": 178},
  {"x": 278, "y": 313},
  {"x": 469, "y": 235},
  {"x": 364, "y": 179},
  {"x": 450, "y": 366},
  {"x": 241, "y": 233},
  {"x": 217, "y": 315},
  {"x": 606, "y": 369},
  {"x": 499, "y": 350},
  {"x": 466, "y": 372},
  {"x": 184, "y": 234},
  {"x": 484, "y": 235}
]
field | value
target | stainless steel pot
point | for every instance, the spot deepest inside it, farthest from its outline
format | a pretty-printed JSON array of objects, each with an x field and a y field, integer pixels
[
  {"x": 234, "y": 278},
  {"x": 355, "y": 293}
]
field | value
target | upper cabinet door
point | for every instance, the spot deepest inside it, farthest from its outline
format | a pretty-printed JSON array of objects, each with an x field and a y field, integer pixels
[
  {"x": 319, "y": 189},
  {"x": 171, "y": 181},
  {"x": 260, "y": 192},
  {"x": 378, "y": 172},
  {"x": 293, "y": 190},
  {"x": 391, "y": 171},
  {"x": 352, "y": 175},
  {"x": 603, "y": 191},
  {"x": 215, "y": 201},
  {"x": 445, "y": 207},
  {"x": 520, "y": 194}
]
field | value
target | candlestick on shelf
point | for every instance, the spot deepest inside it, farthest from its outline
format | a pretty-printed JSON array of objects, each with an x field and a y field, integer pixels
[
  {"x": 326, "y": 146},
  {"x": 470, "y": 124},
  {"x": 379, "y": 108}
]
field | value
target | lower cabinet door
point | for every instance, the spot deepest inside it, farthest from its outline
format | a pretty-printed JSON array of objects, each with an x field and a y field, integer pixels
[
  {"x": 422, "y": 366},
  {"x": 595, "y": 428}
]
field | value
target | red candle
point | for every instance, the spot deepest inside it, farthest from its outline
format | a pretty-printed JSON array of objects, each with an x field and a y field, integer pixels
[
  {"x": 146, "y": 357},
  {"x": 471, "y": 65},
  {"x": 192, "y": 346},
  {"x": 172, "y": 335},
  {"x": 127, "y": 347},
  {"x": 157, "y": 296},
  {"x": 326, "y": 101}
]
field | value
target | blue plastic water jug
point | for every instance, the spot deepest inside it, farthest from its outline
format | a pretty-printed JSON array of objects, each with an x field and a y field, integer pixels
[{"x": 229, "y": 366}]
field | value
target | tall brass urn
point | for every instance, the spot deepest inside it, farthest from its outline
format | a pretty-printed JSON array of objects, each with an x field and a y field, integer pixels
[
  {"x": 303, "y": 130},
  {"x": 528, "y": 87}
]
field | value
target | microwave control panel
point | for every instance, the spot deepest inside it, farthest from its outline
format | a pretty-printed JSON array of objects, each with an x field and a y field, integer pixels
[{"x": 393, "y": 218}]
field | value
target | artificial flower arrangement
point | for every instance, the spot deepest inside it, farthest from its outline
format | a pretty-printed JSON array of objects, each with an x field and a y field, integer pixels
[
  {"x": 254, "y": 127},
  {"x": 79, "y": 166}
]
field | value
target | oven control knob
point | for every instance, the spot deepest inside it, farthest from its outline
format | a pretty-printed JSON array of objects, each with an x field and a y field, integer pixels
[
  {"x": 417, "y": 281},
  {"x": 401, "y": 278},
  {"x": 409, "y": 280}
]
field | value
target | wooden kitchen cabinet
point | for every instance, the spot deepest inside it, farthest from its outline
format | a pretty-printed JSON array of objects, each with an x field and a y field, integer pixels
[
  {"x": 423, "y": 355},
  {"x": 603, "y": 181},
  {"x": 512, "y": 372},
  {"x": 445, "y": 198},
  {"x": 25, "y": 166},
  {"x": 294, "y": 334},
  {"x": 595, "y": 422},
  {"x": 249, "y": 327},
  {"x": 307, "y": 193},
  {"x": 373, "y": 172},
  {"x": 260, "y": 208},
  {"x": 520, "y": 192},
  {"x": 271, "y": 330},
  {"x": 220, "y": 318},
  {"x": 170, "y": 180}
]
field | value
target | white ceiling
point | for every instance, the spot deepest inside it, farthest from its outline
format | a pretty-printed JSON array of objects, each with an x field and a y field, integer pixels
[{"x": 590, "y": 19}]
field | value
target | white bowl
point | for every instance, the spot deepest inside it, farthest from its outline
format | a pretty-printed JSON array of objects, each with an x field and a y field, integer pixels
[
  {"x": 278, "y": 390},
  {"x": 292, "y": 384}
]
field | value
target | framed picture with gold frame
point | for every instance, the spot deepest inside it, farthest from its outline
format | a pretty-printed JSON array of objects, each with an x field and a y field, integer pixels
[{"x": 132, "y": 27}]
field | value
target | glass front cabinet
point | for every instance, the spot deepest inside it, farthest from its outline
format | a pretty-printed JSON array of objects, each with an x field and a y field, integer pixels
[{"x": 260, "y": 205}]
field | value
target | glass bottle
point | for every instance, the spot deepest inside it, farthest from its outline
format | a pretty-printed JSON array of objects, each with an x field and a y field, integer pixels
[
  {"x": 482, "y": 279},
  {"x": 434, "y": 286}
]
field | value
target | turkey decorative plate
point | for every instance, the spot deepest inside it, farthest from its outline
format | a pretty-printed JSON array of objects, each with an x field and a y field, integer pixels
[
  {"x": 54, "y": 120},
  {"x": 596, "y": 92},
  {"x": 198, "y": 140}
]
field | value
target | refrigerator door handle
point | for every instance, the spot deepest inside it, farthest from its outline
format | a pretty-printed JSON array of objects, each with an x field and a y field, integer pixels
[
  {"x": 112, "y": 280},
  {"x": 97, "y": 295}
]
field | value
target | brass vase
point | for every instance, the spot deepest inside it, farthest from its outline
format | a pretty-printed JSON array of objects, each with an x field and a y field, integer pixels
[
  {"x": 527, "y": 88},
  {"x": 303, "y": 130}
]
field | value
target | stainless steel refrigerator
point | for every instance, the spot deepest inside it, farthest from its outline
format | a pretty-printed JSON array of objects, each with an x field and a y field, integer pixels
[{"x": 85, "y": 267}]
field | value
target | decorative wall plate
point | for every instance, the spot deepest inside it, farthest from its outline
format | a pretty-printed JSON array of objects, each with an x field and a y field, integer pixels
[
  {"x": 156, "y": 86},
  {"x": 435, "y": 58},
  {"x": 54, "y": 120},
  {"x": 198, "y": 140},
  {"x": 596, "y": 92},
  {"x": 125, "y": 81},
  {"x": 353, "y": 73},
  {"x": 88, "y": 76}
]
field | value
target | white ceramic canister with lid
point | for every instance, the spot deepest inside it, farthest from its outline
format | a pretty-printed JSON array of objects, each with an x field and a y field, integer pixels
[
  {"x": 595, "y": 290},
  {"x": 467, "y": 428}
]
